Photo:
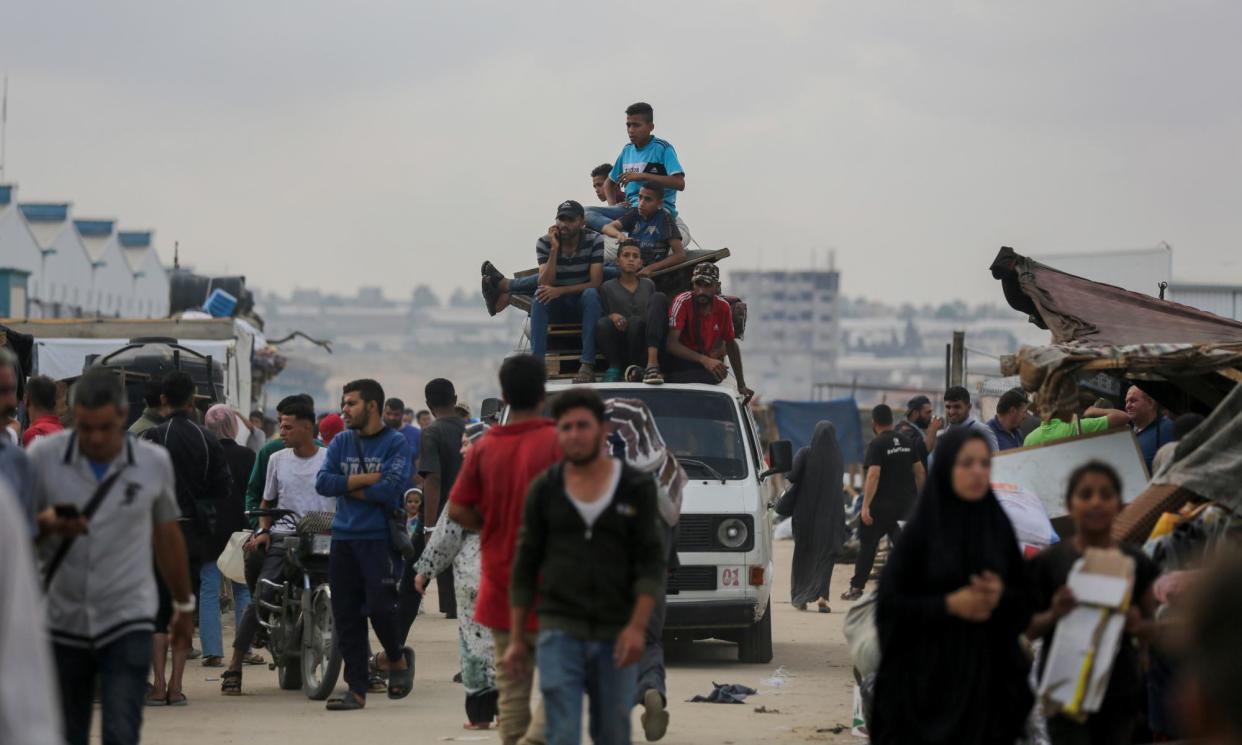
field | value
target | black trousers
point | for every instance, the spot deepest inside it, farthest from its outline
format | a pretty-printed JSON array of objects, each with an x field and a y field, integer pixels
[
  {"x": 623, "y": 348},
  {"x": 408, "y": 599},
  {"x": 868, "y": 542}
]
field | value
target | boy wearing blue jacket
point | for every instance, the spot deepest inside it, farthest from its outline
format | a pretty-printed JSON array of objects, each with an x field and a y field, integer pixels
[{"x": 367, "y": 468}]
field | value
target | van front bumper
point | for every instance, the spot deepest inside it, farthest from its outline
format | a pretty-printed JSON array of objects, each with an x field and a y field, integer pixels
[{"x": 711, "y": 614}]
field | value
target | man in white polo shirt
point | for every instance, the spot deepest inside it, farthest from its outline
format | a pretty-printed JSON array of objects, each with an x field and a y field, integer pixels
[{"x": 104, "y": 501}]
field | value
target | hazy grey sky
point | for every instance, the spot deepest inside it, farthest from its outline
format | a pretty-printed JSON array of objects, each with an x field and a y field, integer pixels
[{"x": 336, "y": 144}]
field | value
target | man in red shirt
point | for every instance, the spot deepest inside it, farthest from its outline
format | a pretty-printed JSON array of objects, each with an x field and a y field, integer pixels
[
  {"x": 489, "y": 496},
  {"x": 702, "y": 335},
  {"x": 41, "y": 408}
]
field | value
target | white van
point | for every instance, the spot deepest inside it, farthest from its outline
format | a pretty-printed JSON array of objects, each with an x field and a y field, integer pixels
[{"x": 723, "y": 587}]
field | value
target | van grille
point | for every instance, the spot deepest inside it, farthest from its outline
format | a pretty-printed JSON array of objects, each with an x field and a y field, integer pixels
[
  {"x": 689, "y": 578},
  {"x": 696, "y": 533}
]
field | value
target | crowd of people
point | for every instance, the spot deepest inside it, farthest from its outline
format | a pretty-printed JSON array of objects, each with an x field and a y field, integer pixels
[
  {"x": 128, "y": 520},
  {"x": 963, "y": 621}
]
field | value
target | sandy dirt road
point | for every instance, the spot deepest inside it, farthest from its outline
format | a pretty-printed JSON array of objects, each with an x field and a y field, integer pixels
[{"x": 814, "y": 699}]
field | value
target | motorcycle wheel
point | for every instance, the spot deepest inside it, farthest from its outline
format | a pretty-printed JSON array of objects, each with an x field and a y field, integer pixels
[
  {"x": 321, "y": 657},
  {"x": 289, "y": 676}
]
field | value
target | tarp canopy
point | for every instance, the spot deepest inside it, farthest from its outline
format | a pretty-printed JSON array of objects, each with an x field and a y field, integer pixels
[
  {"x": 796, "y": 420},
  {"x": 1076, "y": 309},
  {"x": 1182, "y": 377}
]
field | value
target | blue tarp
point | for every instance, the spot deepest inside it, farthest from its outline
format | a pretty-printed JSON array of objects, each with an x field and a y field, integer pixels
[{"x": 796, "y": 420}]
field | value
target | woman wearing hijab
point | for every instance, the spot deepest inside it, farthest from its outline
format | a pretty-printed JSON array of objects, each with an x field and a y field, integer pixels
[
  {"x": 953, "y": 599},
  {"x": 818, "y": 517},
  {"x": 222, "y": 421}
]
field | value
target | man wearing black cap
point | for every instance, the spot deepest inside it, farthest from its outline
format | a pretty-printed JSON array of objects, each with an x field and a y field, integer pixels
[
  {"x": 702, "y": 335},
  {"x": 571, "y": 269}
]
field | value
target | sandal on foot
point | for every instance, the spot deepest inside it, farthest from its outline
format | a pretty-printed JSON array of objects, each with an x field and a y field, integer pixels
[
  {"x": 213, "y": 662},
  {"x": 253, "y": 659},
  {"x": 376, "y": 683},
  {"x": 152, "y": 700},
  {"x": 586, "y": 374},
  {"x": 655, "y": 716},
  {"x": 823, "y": 607},
  {"x": 490, "y": 272},
  {"x": 653, "y": 376},
  {"x": 633, "y": 374},
  {"x": 230, "y": 683},
  {"x": 852, "y": 594},
  {"x": 401, "y": 682},
  {"x": 177, "y": 699},
  {"x": 477, "y": 726},
  {"x": 799, "y": 606},
  {"x": 348, "y": 702}
]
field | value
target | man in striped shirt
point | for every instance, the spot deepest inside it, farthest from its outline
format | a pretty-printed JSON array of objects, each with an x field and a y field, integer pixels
[{"x": 571, "y": 269}]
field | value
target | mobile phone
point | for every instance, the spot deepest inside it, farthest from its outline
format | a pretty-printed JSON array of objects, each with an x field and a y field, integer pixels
[{"x": 66, "y": 511}]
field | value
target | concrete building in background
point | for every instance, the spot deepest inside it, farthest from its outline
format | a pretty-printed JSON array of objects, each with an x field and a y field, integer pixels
[
  {"x": 1138, "y": 270},
  {"x": 54, "y": 266},
  {"x": 792, "y": 330}
]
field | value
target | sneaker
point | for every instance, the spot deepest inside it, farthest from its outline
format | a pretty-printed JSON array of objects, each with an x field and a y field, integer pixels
[
  {"x": 852, "y": 594},
  {"x": 612, "y": 375},
  {"x": 655, "y": 716}
]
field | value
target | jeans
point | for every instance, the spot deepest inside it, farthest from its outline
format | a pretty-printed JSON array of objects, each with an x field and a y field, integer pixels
[
  {"x": 584, "y": 308},
  {"x": 528, "y": 284},
  {"x": 209, "y": 632},
  {"x": 569, "y": 667},
  {"x": 362, "y": 576},
  {"x": 651, "y": 674},
  {"x": 272, "y": 570},
  {"x": 598, "y": 217},
  {"x": 121, "y": 667}
]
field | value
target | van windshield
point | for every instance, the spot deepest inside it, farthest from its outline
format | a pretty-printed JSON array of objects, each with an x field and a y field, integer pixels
[{"x": 696, "y": 426}]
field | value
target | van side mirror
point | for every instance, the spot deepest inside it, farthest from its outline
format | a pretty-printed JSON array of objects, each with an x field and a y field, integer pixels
[
  {"x": 490, "y": 408},
  {"x": 780, "y": 458}
]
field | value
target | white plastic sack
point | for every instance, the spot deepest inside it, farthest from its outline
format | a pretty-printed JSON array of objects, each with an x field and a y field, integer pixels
[
  {"x": 783, "y": 530},
  {"x": 232, "y": 561},
  {"x": 1027, "y": 515}
]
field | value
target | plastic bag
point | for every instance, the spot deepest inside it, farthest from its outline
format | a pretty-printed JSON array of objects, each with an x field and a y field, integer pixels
[{"x": 232, "y": 561}]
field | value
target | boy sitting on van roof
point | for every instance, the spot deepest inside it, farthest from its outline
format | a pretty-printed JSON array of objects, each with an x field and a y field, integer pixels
[{"x": 653, "y": 227}]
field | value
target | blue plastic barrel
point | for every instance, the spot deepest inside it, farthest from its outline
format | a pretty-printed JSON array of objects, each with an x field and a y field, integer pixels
[{"x": 220, "y": 304}]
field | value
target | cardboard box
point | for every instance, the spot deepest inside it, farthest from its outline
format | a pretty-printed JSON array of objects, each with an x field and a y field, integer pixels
[{"x": 1080, "y": 659}]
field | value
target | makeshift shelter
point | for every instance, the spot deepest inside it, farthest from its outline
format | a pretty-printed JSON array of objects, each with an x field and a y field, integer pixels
[{"x": 796, "y": 420}]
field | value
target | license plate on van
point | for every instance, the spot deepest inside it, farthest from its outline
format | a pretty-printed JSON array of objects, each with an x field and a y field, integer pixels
[{"x": 730, "y": 577}]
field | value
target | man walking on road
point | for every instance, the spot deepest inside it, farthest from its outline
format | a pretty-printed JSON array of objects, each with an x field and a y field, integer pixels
[
  {"x": 101, "y": 593},
  {"x": 366, "y": 468},
  {"x": 203, "y": 485},
  {"x": 606, "y": 577},
  {"x": 894, "y": 478},
  {"x": 439, "y": 461},
  {"x": 489, "y": 496}
]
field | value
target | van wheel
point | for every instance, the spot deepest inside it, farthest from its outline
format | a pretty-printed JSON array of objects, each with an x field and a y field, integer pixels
[{"x": 755, "y": 646}]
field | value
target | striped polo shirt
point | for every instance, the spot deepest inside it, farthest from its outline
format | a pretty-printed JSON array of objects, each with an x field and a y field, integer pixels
[
  {"x": 106, "y": 586},
  {"x": 573, "y": 268}
]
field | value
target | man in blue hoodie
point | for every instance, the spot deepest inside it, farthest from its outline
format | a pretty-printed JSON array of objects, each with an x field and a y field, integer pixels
[{"x": 366, "y": 468}]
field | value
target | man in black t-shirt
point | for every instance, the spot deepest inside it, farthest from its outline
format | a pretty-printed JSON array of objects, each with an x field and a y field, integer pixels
[
  {"x": 894, "y": 478},
  {"x": 439, "y": 461}
]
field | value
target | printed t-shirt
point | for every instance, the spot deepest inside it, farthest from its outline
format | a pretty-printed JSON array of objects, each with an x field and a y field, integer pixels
[{"x": 714, "y": 325}]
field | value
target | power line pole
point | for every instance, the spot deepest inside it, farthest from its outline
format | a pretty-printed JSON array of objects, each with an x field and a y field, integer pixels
[
  {"x": 957, "y": 369},
  {"x": 4, "y": 123}
]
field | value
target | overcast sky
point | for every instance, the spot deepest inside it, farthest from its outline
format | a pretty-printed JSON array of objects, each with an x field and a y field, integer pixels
[{"x": 336, "y": 144}]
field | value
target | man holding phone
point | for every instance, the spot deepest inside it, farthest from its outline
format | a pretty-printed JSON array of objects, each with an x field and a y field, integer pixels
[{"x": 107, "y": 514}]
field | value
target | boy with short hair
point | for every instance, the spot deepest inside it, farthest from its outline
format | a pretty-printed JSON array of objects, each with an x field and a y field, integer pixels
[
  {"x": 646, "y": 159},
  {"x": 654, "y": 228},
  {"x": 626, "y": 331}
]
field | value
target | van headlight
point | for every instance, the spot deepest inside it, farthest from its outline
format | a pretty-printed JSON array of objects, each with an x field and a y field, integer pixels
[{"x": 732, "y": 533}]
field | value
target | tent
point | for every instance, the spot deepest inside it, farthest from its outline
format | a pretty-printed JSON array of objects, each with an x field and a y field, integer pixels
[{"x": 796, "y": 420}]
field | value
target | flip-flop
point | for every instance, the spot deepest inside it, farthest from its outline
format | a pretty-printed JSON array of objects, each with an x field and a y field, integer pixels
[
  {"x": 182, "y": 701},
  {"x": 213, "y": 661},
  {"x": 152, "y": 701},
  {"x": 252, "y": 658},
  {"x": 477, "y": 727},
  {"x": 401, "y": 682},
  {"x": 344, "y": 703},
  {"x": 825, "y": 609}
]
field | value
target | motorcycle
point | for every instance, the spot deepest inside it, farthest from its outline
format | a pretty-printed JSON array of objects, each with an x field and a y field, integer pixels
[{"x": 301, "y": 636}]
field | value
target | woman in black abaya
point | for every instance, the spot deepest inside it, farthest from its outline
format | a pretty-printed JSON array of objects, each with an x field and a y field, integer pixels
[
  {"x": 818, "y": 517},
  {"x": 953, "y": 599}
]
